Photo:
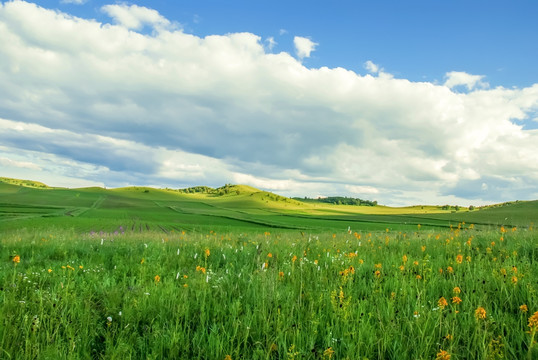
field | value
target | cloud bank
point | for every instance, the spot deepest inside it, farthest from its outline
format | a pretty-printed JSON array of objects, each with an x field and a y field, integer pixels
[{"x": 107, "y": 104}]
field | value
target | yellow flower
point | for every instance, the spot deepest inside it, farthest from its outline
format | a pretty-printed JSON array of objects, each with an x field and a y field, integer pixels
[
  {"x": 328, "y": 352},
  {"x": 378, "y": 266},
  {"x": 207, "y": 253},
  {"x": 49, "y": 270},
  {"x": 404, "y": 259},
  {"x": 459, "y": 258},
  {"x": 294, "y": 258},
  {"x": 514, "y": 279},
  {"x": 480, "y": 313},
  {"x": 456, "y": 300},
  {"x": 185, "y": 285},
  {"x": 423, "y": 248},
  {"x": 81, "y": 267},
  {"x": 157, "y": 278},
  {"x": 442, "y": 303},
  {"x": 16, "y": 259},
  {"x": 443, "y": 355},
  {"x": 402, "y": 268},
  {"x": 450, "y": 269},
  {"x": 281, "y": 274},
  {"x": 524, "y": 308},
  {"x": 142, "y": 261},
  {"x": 227, "y": 357},
  {"x": 418, "y": 277},
  {"x": 533, "y": 322}
]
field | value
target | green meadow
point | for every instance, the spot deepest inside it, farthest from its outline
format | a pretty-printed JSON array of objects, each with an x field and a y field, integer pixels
[{"x": 239, "y": 273}]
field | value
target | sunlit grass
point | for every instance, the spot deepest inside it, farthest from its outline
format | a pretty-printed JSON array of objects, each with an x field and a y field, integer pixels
[{"x": 262, "y": 295}]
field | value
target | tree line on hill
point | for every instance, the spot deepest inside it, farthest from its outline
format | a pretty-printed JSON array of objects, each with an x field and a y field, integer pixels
[{"x": 339, "y": 200}]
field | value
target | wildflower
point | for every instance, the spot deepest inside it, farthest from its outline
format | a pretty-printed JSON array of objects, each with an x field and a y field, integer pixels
[
  {"x": 480, "y": 313},
  {"x": 227, "y": 357},
  {"x": 459, "y": 258},
  {"x": 142, "y": 261},
  {"x": 514, "y": 269},
  {"x": 377, "y": 273},
  {"x": 378, "y": 266},
  {"x": 524, "y": 308},
  {"x": 533, "y": 322},
  {"x": 207, "y": 252},
  {"x": 443, "y": 355},
  {"x": 16, "y": 259},
  {"x": 442, "y": 303},
  {"x": 404, "y": 259},
  {"x": 440, "y": 270},
  {"x": 450, "y": 269},
  {"x": 415, "y": 263},
  {"x": 81, "y": 267},
  {"x": 328, "y": 352},
  {"x": 402, "y": 268},
  {"x": 456, "y": 300},
  {"x": 418, "y": 226},
  {"x": 49, "y": 270},
  {"x": 185, "y": 276},
  {"x": 157, "y": 279},
  {"x": 416, "y": 314},
  {"x": 423, "y": 248},
  {"x": 418, "y": 277},
  {"x": 456, "y": 290},
  {"x": 468, "y": 259},
  {"x": 514, "y": 280},
  {"x": 294, "y": 258},
  {"x": 449, "y": 337},
  {"x": 185, "y": 285},
  {"x": 281, "y": 274},
  {"x": 269, "y": 255},
  {"x": 70, "y": 267},
  {"x": 503, "y": 271}
]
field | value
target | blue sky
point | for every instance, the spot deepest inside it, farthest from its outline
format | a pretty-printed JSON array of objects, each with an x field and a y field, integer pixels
[{"x": 403, "y": 102}]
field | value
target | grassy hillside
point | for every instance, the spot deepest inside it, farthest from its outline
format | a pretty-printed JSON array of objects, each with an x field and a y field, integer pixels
[{"x": 27, "y": 204}]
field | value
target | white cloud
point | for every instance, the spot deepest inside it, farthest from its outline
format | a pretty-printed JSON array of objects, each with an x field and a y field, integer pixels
[
  {"x": 271, "y": 43},
  {"x": 304, "y": 46},
  {"x": 109, "y": 104},
  {"x": 362, "y": 190},
  {"x": 135, "y": 17},
  {"x": 460, "y": 78},
  {"x": 18, "y": 164},
  {"x": 371, "y": 67}
]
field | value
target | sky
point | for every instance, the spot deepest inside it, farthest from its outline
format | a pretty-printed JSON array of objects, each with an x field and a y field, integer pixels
[{"x": 404, "y": 102}]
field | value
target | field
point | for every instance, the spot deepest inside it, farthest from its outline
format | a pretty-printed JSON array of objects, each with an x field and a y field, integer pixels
[{"x": 146, "y": 273}]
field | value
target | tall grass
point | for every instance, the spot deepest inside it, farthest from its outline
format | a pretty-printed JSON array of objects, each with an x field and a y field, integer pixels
[{"x": 268, "y": 296}]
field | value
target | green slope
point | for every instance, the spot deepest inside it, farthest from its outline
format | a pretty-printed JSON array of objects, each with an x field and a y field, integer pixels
[{"x": 141, "y": 209}]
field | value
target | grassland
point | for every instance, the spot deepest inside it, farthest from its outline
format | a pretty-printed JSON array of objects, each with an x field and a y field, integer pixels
[{"x": 143, "y": 273}]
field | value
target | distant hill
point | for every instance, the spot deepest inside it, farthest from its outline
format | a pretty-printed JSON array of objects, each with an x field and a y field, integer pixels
[{"x": 25, "y": 183}]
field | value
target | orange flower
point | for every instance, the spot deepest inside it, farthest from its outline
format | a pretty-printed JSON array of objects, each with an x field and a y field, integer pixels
[
  {"x": 294, "y": 258},
  {"x": 456, "y": 300},
  {"x": 418, "y": 277},
  {"x": 207, "y": 252},
  {"x": 480, "y": 313},
  {"x": 415, "y": 263},
  {"x": 514, "y": 279},
  {"x": 404, "y": 259},
  {"x": 533, "y": 322},
  {"x": 16, "y": 259},
  {"x": 281, "y": 274},
  {"x": 227, "y": 357},
  {"x": 377, "y": 273},
  {"x": 442, "y": 303},
  {"x": 459, "y": 258},
  {"x": 524, "y": 308},
  {"x": 443, "y": 355},
  {"x": 402, "y": 268},
  {"x": 269, "y": 255},
  {"x": 450, "y": 269},
  {"x": 378, "y": 266},
  {"x": 157, "y": 278}
]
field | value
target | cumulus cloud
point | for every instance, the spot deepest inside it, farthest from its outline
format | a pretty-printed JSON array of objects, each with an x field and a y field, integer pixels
[
  {"x": 76, "y": 2},
  {"x": 271, "y": 43},
  {"x": 113, "y": 105},
  {"x": 18, "y": 164},
  {"x": 303, "y": 46},
  {"x": 461, "y": 78},
  {"x": 135, "y": 17}
]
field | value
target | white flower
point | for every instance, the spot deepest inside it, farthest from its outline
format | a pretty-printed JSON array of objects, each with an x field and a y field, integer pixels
[{"x": 109, "y": 318}]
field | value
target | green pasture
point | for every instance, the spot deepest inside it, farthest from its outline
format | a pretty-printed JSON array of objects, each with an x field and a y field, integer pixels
[{"x": 139, "y": 209}]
